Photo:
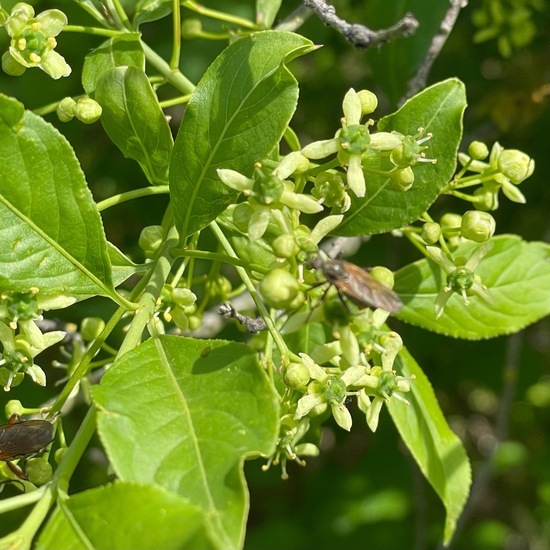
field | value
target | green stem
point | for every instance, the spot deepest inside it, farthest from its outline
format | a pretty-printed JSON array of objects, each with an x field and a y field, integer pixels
[
  {"x": 130, "y": 195},
  {"x": 180, "y": 82},
  {"x": 161, "y": 270},
  {"x": 216, "y": 257},
  {"x": 176, "y": 22},
  {"x": 279, "y": 342},
  {"x": 213, "y": 14},
  {"x": 97, "y": 31}
]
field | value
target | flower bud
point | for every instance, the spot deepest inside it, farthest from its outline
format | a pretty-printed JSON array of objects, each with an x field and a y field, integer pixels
[
  {"x": 296, "y": 376},
  {"x": 191, "y": 28},
  {"x": 14, "y": 406},
  {"x": 485, "y": 199},
  {"x": 383, "y": 274},
  {"x": 368, "y": 100},
  {"x": 91, "y": 328},
  {"x": 477, "y": 226},
  {"x": 279, "y": 288},
  {"x": 65, "y": 109},
  {"x": 39, "y": 471},
  {"x": 151, "y": 238},
  {"x": 515, "y": 165},
  {"x": 478, "y": 150},
  {"x": 59, "y": 454},
  {"x": 285, "y": 246},
  {"x": 402, "y": 179},
  {"x": 450, "y": 220},
  {"x": 431, "y": 232},
  {"x": 87, "y": 110}
]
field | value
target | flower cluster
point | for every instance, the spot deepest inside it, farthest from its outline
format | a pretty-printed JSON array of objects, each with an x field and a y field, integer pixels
[
  {"x": 21, "y": 338},
  {"x": 354, "y": 145},
  {"x": 33, "y": 41},
  {"x": 506, "y": 169}
]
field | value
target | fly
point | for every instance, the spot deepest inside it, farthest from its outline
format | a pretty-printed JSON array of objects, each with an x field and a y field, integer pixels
[
  {"x": 23, "y": 439},
  {"x": 358, "y": 285}
]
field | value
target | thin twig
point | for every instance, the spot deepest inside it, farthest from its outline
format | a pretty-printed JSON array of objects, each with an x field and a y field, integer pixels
[
  {"x": 418, "y": 81},
  {"x": 359, "y": 35}
]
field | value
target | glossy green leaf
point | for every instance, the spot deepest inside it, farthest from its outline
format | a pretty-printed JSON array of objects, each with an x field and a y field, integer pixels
[
  {"x": 236, "y": 116},
  {"x": 123, "y": 50},
  {"x": 133, "y": 119},
  {"x": 184, "y": 413},
  {"x": 438, "y": 109},
  {"x": 51, "y": 234},
  {"x": 438, "y": 452},
  {"x": 122, "y": 516},
  {"x": 517, "y": 274},
  {"x": 396, "y": 62}
]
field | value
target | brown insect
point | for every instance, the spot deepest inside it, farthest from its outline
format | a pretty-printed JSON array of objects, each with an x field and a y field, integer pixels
[
  {"x": 358, "y": 285},
  {"x": 23, "y": 439}
]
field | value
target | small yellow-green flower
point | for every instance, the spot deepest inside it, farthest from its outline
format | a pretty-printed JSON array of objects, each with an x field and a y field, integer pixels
[
  {"x": 33, "y": 41},
  {"x": 271, "y": 191}
]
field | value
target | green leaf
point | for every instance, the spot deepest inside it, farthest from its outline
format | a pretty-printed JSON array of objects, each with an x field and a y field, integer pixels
[
  {"x": 395, "y": 63},
  {"x": 436, "y": 449},
  {"x": 51, "y": 232},
  {"x": 266, "y": 12},
  {"x": 123, "y": 267},
  {"x": 133, "y": 119},
  {"x": 517, "y": 273},
  {"x": 123, "y": 50},
  {"x": 236, "y": 116},
  {"x": 183, "y": 413},
  {"x": 437, "y": 109},
  {"x": 151, "y": 10},
  {"x": 122, "y": 516}
]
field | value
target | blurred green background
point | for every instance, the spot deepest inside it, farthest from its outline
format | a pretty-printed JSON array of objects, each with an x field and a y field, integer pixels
[{"x": 365, "y": 491}]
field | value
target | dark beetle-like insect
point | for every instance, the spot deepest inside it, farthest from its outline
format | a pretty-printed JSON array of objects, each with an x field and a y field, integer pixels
[
  {"x": 23, "y": 439},
  {"x": 358, "y": 285}
]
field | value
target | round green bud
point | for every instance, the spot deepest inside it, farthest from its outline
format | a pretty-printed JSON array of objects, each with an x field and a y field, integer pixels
[
  {"x": 14, "y": 406},
  {"x": 279, "y": 288},
  {"x": 195, "y": 321},
  {"x": 241, "y": 216},
  {"x": 191, "y": 28},
  {"x": 450, "y": 220},
  {"x": 91, "y": 328},
  {"x": 485, "y": 199},
  {"x": 87, "y": 110},
  {"x": 39, "y": 471},
  {"x": 369, "y": 101},
  {"x": 285, "y": 246},
  {"x": 477, "y": 226},
  {"x": 151, "y": 238},
  {"x": 383, "y": 275},
  {"x": 431, "y": 232},
  {"x": 11, "y": 66},
  {"x": 402, "y": 179},
  {"x": 296, "y": 376},
  {"x": 65, "y": 109},
  {"x": 515, "y": 165},
  {"x": 478, "y": 150}
]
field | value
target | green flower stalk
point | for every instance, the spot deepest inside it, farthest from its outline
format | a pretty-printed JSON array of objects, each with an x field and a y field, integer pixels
[{"x": 33, "y": 41}]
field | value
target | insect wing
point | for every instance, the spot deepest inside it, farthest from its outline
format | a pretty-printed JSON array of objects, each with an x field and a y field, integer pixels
[
  {"x": 364, "y": 290},
  {"x": 24, "y": 438}
]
